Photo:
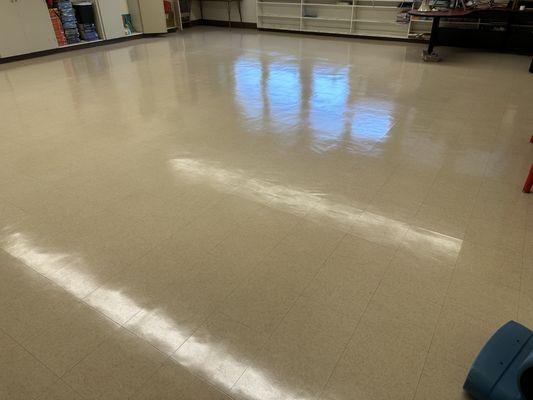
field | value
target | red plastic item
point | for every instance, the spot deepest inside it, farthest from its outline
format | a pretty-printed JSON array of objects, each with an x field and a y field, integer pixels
[
  {"x": 168, "y": 7},
  {"x": 529, "y": 179}
]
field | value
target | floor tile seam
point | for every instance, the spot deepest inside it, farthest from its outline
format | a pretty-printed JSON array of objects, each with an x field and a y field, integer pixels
[
  {"x": 108, "y": 338},
  {"x": 244, "y": 281},
  {"x": 107, "y": 318},
  {"x": 240, "y": 226},
  {"x": 421, "y": 203},
  {"x": 263, "y": 256},
  {"x": 228, "y": 393},
  {"x": 441, "y": 311},
  {"x": 83, "y": 300},
  {"x": 500, "y": 285},
  {"x": 170, "y": 357},
  {"x": 430, "y": 186},
  {"x": 102, "y": 341},
  {"x": 343, "y": 352},
  {"x": 120, "y": 271},
  {"x": 55, "y": 284},
  {"x": 68, "y": 385},
  {"x": 522, "y": 275},
  {"x": 204, "y": 379},
  {"x": 468, "y": 217},
  {"x": 34, "y": 357},
  {"x": 210, "y": 251},
  {"x": 466, "y": 311},
  {"x": 291, "y": 306},
  {"x": 196, "y": 375},
  {"x": 218, "y": 310},
  {"x": 374, "y": 196},
  {"x": 10, "y": 203},
  {"x": 199, "y": 325},
  {"x": 498, "y": 246},
  {"x": 154, "y": 246}
]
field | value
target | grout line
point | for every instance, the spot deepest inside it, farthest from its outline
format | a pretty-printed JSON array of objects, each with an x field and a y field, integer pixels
[
  {"x": 292, "y": 304},
  {"x": 82, "y": 300},
  {"x": 441, "y": 310},
  {"x": 19, "y": 344},
  {"x": 345, "y": 349},
  {"x": 217, "y": 310},
  {"x": 444, "y": 303}
]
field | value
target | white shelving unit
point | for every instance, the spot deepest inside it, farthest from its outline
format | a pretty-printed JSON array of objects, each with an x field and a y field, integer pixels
[
  {"x": 26, "y": 25},
  {"x": 376, "y": 18}
]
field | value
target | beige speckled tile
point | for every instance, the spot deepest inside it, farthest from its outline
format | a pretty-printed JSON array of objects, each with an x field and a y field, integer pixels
[
  {"x": 220, "y": 350},
  {"x": 59, "y": 390},
  {"x": 174, "y": 382},
  {"x": 215, "y": 214},
  {"x": 441, "y": 380},
  {"x": 117, "y": 368},
  {"x": 16, "y": 365}
]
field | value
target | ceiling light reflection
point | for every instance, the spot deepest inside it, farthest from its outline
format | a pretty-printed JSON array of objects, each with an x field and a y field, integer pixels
[
  {"x": 204, "y": 358},
  {"x": 314, "y": 205}
]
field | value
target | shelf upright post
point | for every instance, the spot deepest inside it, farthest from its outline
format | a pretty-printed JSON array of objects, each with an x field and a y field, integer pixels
[
  {"x": 257, "y": 13},
  {"x": 301, "y": 14},
  {"x": 352, "y": 17}
]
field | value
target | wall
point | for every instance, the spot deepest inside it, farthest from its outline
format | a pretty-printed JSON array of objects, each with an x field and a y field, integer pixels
[
  {"x": 124, "y": 6},
  {"x": 217, "y": 10}
]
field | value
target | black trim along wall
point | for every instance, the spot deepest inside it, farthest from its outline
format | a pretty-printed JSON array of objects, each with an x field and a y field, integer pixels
[{"x": 446, "y": 38}]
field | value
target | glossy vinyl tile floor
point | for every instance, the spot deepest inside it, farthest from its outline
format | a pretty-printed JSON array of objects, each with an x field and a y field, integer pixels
[{"x": 223, "y": 214}]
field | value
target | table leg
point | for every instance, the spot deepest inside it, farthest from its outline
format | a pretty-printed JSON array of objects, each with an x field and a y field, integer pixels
[
  {"x": 229, "y": 13},
  {"x": 201, "y": 10},
  {"x": 531, "y": 67},
  {"x": 240, "y": 13},
  {"x": 429, "y": 54}
]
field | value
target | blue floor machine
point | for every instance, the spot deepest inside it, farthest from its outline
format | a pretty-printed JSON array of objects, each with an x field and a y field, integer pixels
[{"x": 503, "y": 369}]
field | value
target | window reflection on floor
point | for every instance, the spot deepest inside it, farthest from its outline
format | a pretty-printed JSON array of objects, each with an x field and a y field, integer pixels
[{"x": 278, "y": 97}]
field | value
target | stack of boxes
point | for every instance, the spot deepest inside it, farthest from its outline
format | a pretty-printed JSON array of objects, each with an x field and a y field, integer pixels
[
  {"x": 58, "y": 27},
  {"x": 88, "y": 32},
  {"x": 68, "y": 19}
]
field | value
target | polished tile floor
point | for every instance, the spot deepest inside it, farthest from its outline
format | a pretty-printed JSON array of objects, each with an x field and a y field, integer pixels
[{"x": 232, "y": 214}]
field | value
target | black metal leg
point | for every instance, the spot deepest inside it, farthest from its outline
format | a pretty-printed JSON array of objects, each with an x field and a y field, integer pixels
[
  {"x": 429, "y": 54},
  {"x": 229, "y": 13},
  {"x": 201, "y": 10},
  {"x": 434, "y": 34},
  {"x": 531, "y": 67},
  {"x": 240, "y": 13}
]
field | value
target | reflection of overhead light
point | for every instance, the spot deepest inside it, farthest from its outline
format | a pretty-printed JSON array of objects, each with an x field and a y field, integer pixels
[
  {"x": 310, "y": 203},
  {"x": 69, "y": 272},
  {"x": 61, "y": 268}
]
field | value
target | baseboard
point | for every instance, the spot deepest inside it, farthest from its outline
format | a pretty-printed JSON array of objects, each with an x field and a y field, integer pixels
[
  {"x": 343, "y": 35},
  {"x": 80, "y": 46},
  {"x": 190, "y": 24},
  {"x": 234, "y": 24}
]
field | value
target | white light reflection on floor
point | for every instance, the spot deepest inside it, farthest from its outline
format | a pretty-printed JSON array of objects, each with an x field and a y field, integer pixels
[
  {"x": 70, "y": 272},
  {"x": 161, "y": 331},
  {"x": 313, "y": 204}
]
